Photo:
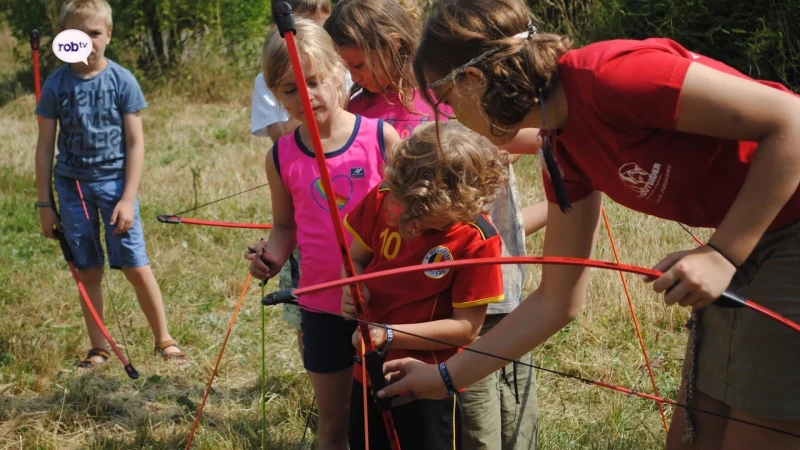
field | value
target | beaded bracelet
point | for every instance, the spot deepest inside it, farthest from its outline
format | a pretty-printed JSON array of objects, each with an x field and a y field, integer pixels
[{"x": 448, "y": 382}]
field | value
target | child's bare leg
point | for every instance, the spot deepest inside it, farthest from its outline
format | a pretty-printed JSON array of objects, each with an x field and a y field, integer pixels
[
  {"x": 92, "y": 281},
  {"x": 148, "y": 294},
  {"x": 333, "y": 406}
]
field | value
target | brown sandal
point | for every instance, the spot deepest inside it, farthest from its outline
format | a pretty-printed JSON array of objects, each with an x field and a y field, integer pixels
[
  {"x": 179, "y": 356},
  {"x": 89, "y": 363}
]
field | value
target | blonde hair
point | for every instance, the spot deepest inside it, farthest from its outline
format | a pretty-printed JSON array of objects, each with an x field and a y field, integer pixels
[
  {"x": 308, "y": 8},
  {"x": 315, "y": 47},
  {"x": 412, "y": 8},
  {"x": 457, "y": 182},
  {"x": 388, "y": 29},
  {"x": 86, "y": 8}
]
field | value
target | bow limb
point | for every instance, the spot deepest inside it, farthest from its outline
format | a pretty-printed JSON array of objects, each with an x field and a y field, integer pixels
[
  {"x": 129, "y": 369},
  {"x": 174, "y": 220},
  {"x": 727, "y": 300},
  {"x": 216, "y": 365},
  {"x": 634, "y": 318}
]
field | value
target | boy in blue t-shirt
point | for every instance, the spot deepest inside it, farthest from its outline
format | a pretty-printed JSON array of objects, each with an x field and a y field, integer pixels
[{"x": 100, "y": 158}]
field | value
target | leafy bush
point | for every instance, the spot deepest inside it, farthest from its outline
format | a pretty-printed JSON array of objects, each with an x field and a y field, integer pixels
[
  {"x": 200, "y": 46},
  {"x": 758, "y": 37},
  {"x": 157, "y": 39}
]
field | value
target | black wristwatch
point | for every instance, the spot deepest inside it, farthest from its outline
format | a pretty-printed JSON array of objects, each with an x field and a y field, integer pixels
[{"x": 45, "y": 205}]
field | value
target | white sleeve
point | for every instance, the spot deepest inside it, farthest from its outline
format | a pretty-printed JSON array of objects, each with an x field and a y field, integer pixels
[
  {"x": 265, "y": 109},
  {"x": 348, "y": 80}
]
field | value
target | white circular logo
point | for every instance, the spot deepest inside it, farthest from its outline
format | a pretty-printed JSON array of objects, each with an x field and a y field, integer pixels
[
  {"x": 72, "y": 46},
  {"x": 435, "y": 255}
]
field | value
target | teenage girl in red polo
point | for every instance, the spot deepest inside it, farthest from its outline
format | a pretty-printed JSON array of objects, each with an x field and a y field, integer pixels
[{"x": 663, "y": 131}]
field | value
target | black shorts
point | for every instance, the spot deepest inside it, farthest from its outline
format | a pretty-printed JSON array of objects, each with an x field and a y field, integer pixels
[
  {"x": 327, "y": 342},
  {"x": 423, "y": 424}
]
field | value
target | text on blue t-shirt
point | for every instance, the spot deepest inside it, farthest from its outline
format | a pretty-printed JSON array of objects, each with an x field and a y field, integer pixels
[{"x": 91, "y": 137}]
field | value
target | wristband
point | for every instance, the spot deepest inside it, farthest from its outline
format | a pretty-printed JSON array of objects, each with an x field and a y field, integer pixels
[
  {"x": 714, "y": 247},
  {"x": 448, "y": 382},
  {"x": 389, "y": 338},
  {"x": 44, "y": 204}
]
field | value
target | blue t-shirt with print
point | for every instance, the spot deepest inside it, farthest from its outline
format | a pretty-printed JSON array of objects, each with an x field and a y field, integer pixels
[{"x": 91, "y": 137}]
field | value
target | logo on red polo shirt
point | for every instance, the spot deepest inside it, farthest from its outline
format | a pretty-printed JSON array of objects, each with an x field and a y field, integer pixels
[
  {"x": 435, "y": 255},
  {"x": 645, "y": 183}
]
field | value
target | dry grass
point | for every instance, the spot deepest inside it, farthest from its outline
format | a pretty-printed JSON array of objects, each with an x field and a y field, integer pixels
[{"x": 199, "y": 152}]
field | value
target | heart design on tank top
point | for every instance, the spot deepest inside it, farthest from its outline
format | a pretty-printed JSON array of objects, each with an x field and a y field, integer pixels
[{"x": 342, "y": 187}]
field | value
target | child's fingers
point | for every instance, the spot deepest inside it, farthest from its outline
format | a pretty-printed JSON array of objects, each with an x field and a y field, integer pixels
[
  {"x": 364, "y": 294},
  {"x": 114, "y": 216},
  {"x": 356, "y": 340},
  {"x": 252, "y": 252},
  {"x": 48, "y": 233},
  {"x": 348, "y": 309},
  {"x": 122, "y": 226},
  {"x": 258, "y": 269},
  {"x": 125, "y": 225}
]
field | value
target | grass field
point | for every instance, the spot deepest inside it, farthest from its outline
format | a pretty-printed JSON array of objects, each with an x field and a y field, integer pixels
[{"x": 198, "y": 152}]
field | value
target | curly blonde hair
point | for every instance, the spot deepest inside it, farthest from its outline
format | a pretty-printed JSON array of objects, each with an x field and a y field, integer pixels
[{"x": 454, "y": 174}]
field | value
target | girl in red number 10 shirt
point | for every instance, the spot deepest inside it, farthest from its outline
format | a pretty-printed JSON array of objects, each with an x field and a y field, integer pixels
[{"x": 430, "y": 208}]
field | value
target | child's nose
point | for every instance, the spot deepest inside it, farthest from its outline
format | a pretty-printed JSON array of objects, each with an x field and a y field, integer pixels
[{"x": 358, "y": 77}]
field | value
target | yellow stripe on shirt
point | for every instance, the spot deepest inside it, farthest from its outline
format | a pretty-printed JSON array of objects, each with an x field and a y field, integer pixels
[{"x": 483, "y": 301}]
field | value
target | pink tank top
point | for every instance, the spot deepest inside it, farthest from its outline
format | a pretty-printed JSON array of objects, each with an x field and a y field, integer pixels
[
  {"x": 389, "y": 108},
  {"x": 354, "y": 169}
]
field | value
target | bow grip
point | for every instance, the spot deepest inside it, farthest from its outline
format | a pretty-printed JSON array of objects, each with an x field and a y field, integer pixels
[
  {"x": 62, "y": 241},
  {"x": 374, "y": 362},
  {"x": 278, "y": 297},
  {"x": 730, "y": 300},
  {"x": 283, "y": 18}
]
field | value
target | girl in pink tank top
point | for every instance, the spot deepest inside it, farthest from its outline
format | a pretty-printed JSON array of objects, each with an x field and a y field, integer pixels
[{"x": 355, "y": 152}]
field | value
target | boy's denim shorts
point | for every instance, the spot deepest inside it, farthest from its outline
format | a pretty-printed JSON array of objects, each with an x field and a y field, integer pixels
[{"x": 125, "y": 250}]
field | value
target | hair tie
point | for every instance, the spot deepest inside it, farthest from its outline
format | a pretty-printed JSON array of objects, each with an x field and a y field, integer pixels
[
  {"x": 528, "y": 33},
  {"x": 531, "y": 30}
]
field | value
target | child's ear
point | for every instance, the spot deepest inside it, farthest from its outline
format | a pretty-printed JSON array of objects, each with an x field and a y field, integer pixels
[{"x": 474, "y": 73}]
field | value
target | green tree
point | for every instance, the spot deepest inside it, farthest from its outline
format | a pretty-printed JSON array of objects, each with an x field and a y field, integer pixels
[{"x": 154, "y": 35}]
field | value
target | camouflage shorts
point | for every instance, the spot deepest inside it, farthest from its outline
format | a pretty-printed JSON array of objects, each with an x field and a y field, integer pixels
[{"x": 289, "y": 278}]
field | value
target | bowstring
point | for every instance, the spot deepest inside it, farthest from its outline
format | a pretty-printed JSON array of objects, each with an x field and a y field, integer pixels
[
  {"x": 555, "y": 372},
  {"x": 220, "y": 199}
]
